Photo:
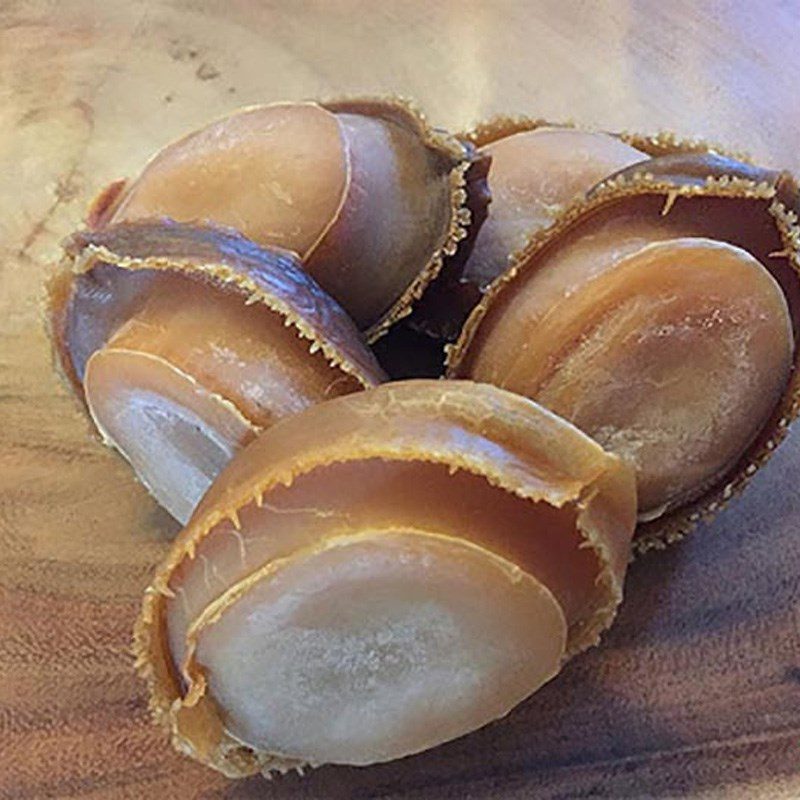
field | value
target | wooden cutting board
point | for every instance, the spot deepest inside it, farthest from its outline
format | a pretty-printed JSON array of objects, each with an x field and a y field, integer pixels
[{"x": 695, "y": 692}]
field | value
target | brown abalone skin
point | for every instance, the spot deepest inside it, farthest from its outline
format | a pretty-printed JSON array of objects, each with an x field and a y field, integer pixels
[
  {"x": 688, "y": 194},
  {"x": 370, "y": 197},
  {"x": 474, "y": 433}
]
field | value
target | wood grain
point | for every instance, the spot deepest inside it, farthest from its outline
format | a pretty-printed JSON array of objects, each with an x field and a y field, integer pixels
[{"x": 695, "y": 692}]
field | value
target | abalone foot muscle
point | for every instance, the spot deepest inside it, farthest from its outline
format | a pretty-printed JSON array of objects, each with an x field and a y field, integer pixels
[
  {"x": 368, "y": 196},
  {"x": 657, "y": 315},
  {"x": 185, "y": 341},
  {"x": 381, "y": 573},
  {"x": 377, "y": 646}
]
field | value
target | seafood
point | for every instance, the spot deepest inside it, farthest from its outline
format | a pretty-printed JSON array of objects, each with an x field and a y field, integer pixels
[
  {"x": 381, "y": 573},
  {"x": 658, "y": 314},
  {"x": 184, "y": 341},
  {"x": 370, "y": 198}
]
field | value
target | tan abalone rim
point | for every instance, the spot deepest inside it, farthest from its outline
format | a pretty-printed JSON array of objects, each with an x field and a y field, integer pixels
[
  {"x": 663, "y": 143},
  {"x": 778, "y": 191},
  {"x": 426, "y": 412}
]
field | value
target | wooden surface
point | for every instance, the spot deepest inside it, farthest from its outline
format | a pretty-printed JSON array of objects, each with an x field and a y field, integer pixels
[{"x": 696, "y": 691}]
